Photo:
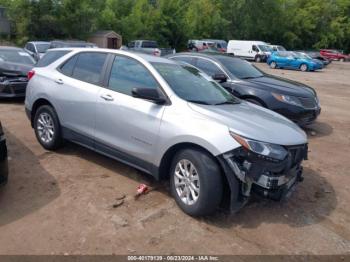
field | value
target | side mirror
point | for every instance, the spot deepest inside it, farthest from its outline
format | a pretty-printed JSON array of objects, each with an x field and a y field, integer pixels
[
  {"x": 221, "y": 78},
  {"x": 148, "y": 94}
]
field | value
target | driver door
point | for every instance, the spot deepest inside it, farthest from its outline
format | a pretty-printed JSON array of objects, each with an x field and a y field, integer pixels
[{"x": 127, "y": 127}]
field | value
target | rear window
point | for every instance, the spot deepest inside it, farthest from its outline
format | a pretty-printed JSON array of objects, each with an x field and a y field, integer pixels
[
  {"x": 51, "y": 57},
  {"x": 149, "y": 44},
  {"x": 88, "y": 67},
  {"x": 16, "y": 56}
]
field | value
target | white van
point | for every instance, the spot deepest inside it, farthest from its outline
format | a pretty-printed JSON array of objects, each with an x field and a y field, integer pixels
[{"x": 252, "y": 50}]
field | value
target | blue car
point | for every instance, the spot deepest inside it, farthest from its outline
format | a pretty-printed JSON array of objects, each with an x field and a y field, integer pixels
[{"x": 293, "y": 60}]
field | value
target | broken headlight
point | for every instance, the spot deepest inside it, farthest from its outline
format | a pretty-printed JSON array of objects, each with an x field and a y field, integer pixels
[{"x": 270, "y": 151}]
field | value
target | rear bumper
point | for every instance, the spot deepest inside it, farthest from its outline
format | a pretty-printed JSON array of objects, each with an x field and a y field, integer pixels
[
  {"x": 3, "y": 161},
  {"x": 9, "y": 89}
]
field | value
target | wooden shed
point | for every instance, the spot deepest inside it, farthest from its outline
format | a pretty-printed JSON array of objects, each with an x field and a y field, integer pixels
[{"x": 106, "y": 39}]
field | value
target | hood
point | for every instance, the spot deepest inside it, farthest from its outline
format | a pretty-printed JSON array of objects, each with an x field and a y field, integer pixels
[
  {"x": 14, "y": 69},
  {"x": 254, "y": 122},
  {"x": 280, "y": 85}
]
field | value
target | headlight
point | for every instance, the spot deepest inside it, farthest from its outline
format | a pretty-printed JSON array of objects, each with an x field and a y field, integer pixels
[
  {"x": 288, "y": 99},
  {"x": 266, "y": 149}
]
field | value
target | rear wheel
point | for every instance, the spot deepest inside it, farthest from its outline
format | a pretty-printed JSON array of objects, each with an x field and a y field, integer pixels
[
  {"x": 196, "y": 182},
  {"x": 273, "y": 65},
  {"x": 303, "y": 67},
  {"x": 47, "y": 128}
]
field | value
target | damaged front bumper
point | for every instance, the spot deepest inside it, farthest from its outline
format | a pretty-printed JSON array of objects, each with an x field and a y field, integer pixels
[
  {"x": 13, "y": 87},
  {"x": 267, "y": 177}
]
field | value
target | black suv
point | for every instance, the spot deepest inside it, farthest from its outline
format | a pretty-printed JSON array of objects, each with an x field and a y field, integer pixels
[
  {"x": 3, "y": 158},
  {"x": 294, "y": 100}
]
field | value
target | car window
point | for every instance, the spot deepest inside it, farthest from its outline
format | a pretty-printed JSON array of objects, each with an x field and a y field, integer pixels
[
  {"x": 240, "y": 68},
  {"x": 68, "y": 66},
  {"x": 131, "y": 44},
  {"x": 30, "y": 47},
  {"x": 50, "y": 57},
  {"x": 89, "y": 66},
  {"x": 127, "y": 73},
  {"x": 19, "y": 56},
  {"x": 254, "y": 48},
  {"x": 149, "y": 44},
  {"x": 42, "y": 48},
  {"x": 208, "y": 67},
  {"x": 190, "y": 85},
  {"x": 184, "y": 59}
]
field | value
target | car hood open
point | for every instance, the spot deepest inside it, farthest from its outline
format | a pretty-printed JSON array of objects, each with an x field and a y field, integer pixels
[
  {"x": 281, "y": 85},
  {"x": 254, "y": 122}
]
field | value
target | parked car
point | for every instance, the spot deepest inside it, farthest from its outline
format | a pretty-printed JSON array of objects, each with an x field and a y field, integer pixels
[
  {"x": 3, "y": 158},
  {"x": 149, "y": 47},
  {"x": 37, "y": 48},
  {"x": 71, "y": 43},
  {"x": 199, "y": 45},
  {"x": 334, "y": 55},
  {"x": 293, "y": 60},
  {"x": 291, "y": 99},
  {"x": 15, "y": 63},
  {"x": 251, "y": 50},
  {"x": 219, "y": 44},
  {"x": 316, "y": 55},
  {"x": 168, "y": 121},
  {"x": 277, "y": 48}
]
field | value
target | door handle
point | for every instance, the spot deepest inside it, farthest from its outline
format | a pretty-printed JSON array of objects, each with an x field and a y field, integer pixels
[
  {"x": 59, "y": 81},
  {"x": 107, "y": 97}
]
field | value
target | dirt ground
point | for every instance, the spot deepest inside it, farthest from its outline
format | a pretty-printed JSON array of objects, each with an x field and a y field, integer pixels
[{"x": 62, "y": 202}]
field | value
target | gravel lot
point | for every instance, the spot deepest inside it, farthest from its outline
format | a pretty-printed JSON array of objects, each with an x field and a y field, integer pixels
[{"x": 62, "y": 202}]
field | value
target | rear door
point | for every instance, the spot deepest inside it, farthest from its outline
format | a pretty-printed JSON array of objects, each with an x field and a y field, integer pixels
[
  {"x": 78, "y": 84},
  {"x": 127, "y": 127}
]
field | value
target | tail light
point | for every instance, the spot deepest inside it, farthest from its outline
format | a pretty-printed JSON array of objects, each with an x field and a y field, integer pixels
[
  {"x": 156, "y": 52},
  {"x": 30, "y": 74}
]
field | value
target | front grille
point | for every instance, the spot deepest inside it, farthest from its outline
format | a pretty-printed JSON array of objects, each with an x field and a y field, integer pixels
[
  {"x": 297, "y": 153},
  {"x": 309, "y": 103}
]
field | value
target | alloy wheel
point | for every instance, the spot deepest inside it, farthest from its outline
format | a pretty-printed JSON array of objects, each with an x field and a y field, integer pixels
[
  {"x": 186, "y": 180},
  {"x": 45, "y": 128}
]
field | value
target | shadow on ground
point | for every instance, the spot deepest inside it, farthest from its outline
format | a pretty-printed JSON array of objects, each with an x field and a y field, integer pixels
[
  {"x": 313, "y": 201},
  {"x": 29, "y": 187},
  {"x": 318, "y": 129}
]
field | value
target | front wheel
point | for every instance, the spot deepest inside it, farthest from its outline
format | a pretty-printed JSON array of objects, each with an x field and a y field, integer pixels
[
  {"x": 196, "y": 182},
  {"x": 273, "y": 65},
  {"x": 258, "y": 59},
  {"x": 303, "y": 67},
  {"x": 47, "y": 128}
]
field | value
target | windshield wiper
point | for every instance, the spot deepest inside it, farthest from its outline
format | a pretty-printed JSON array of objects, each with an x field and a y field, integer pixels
[
  {"x": 227, "y": 103},
  {"x": 250, "y": 77},
  {"x": 199, "y": 102}
]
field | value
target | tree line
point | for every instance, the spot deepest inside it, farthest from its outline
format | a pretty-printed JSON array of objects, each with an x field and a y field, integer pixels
[{"x": 296, "y": 24}]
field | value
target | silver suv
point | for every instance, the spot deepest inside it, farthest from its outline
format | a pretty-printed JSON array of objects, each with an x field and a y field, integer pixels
[{"x": 167, "y": 120}]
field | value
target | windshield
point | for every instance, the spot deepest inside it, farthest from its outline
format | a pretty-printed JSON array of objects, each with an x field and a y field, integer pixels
[
  {"x": 240, "y": 68},
  {"x": 190, "y": 85},
  {"x": 264, "y": 48},
  {"x": 16, "y": 56},
  {"x": 301, "y": 55},
  {"x": 42, "y": 48},
  {"x": 281, "y": 48}
]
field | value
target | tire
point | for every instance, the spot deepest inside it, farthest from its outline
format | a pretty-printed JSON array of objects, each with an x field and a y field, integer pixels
[
  {"x": 208, "y": 182},
  {"x": 341, "y": 60},
  {"x": 257, "y": 59},
  {"x": 254, "y": 101},
  {"x": 47, "y": 128},
  {"x": 303, "y": 67},
  {"x": 273, "y": 65}
]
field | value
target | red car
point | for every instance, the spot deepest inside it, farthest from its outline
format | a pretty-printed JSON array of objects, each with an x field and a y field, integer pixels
[{"x": 334, "y": 55}]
